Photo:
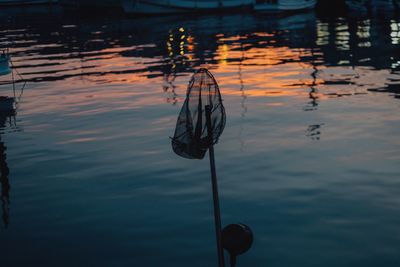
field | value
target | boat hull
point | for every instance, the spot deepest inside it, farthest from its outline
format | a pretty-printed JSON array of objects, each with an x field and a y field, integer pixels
[
  {"x": 4, "y": 66},
  {"x": 26, "y": 2},
  {"x": 181, "y": 6},
  {"x": 91, "y": 3}
]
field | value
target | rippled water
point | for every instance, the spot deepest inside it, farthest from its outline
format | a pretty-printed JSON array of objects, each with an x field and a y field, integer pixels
[{"x": 309, "y": 157}]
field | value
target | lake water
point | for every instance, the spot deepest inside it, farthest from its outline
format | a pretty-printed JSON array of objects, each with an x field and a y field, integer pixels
[{"x": 309, "y": 158}]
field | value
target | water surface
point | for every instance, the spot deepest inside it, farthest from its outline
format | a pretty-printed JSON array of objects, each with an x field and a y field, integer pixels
[{"x": 309, "y": 157}]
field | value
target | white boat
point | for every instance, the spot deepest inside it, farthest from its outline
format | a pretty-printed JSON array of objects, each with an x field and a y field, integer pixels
[
  {"x": 181, "y": 6},
  {"x": 278, "y": 6},
  {"x": 26, "y": 2},
  {"x": 4, "y": 63}
]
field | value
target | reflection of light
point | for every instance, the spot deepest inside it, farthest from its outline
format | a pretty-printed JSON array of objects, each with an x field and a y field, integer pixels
[
  {"x": 365, "y": 59},
  {"x": 190, "y": 46},
  {"x": 190, "y": 39},
  {"x": 363, "y": 32},
  {"x": 395, "y": 34},
  {"x": 181, "y": 44},
  {"x": 223, "y": 52},
  {"x": 343, "y": 62},
  {"x": 266, "y": 78},
  {"x": 169, "y": 44},
  {"x": 342, "y": 36},
  {"x": 322, "y": 33},
  {"x": 263, "y": 34},
  {"x": 232, "y": 38},
  {"x": 177, "y": 42},
  {"x": 364, "y": 44},
  {"x": 363, "y": 29},
  {"x": 395, "y": 65}
]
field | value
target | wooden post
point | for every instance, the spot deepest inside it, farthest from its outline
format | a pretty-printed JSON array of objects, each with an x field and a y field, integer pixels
[{"x": 217, "y": 213}]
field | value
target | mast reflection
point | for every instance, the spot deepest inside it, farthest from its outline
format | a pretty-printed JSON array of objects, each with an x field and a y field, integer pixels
[
  {"x": 243, "y": 100},
  {"x": 6, "y": 115},
  {"x": 5, "y": 184},
  {"x": 179, "y": 46},
  {"x": 313, "y": 94},
  {"x": 314, "y": 131}
]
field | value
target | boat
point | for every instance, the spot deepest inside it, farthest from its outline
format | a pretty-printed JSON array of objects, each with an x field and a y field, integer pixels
[
  {"x": 7, "y": 104},
  {"x": 182, "y": 6},
  {"x": 91, "y": 3},
  {"x": 4, "y": 63},
  {"x": 26, "y": 2},
  {"x": 280, "y": 6}
]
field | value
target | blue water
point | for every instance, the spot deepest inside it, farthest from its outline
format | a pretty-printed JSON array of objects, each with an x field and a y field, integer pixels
[{"x": 309, "y": 158}]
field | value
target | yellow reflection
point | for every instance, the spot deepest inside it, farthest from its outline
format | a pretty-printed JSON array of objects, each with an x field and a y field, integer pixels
[
  {"x": 222, "y": 54},
  {"x": 271, "y": 71},
  {"x": 322, "y": 33},
  {"x": 230, "y": 39},
  {"x": 177, "y": 42},
  {"x": 342, "y": 36}
]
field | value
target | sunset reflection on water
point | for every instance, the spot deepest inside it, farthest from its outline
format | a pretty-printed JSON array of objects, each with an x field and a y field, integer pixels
[
  {"x": 308, "y": 158},
  {"x": 272, "y": 63}
]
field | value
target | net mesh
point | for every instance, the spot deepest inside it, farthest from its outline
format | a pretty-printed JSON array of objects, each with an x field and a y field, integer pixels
[{"x": 191, "y": 139}]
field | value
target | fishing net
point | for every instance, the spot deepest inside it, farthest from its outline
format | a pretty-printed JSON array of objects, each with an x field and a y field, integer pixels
[{"x": 191, "y": 138}]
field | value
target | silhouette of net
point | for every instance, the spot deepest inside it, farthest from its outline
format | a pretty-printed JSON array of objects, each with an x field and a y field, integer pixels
[{"x": 190, "y": 138}]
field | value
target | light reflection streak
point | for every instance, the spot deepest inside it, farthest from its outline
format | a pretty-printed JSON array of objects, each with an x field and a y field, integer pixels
[
  {"x": 180, "y": 47},
  {"x": 395, "y": 65},
  {"x": 342, "y": 35},
  {"x": 322, "y": 33},
  {"x": 395, "y": 32},
  {"x": 363, "y": 33},
  {"x": 242, "y": 102},
  {"x": 313, "y": 93}
]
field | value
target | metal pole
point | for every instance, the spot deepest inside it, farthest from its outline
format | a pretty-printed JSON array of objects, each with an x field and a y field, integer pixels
[{"x": 217, "y": 213}]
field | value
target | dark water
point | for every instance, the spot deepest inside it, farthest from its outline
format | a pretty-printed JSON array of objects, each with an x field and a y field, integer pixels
[{"x": 309, "y": 157}]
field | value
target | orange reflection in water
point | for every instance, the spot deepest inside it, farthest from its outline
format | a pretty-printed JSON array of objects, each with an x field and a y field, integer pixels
[
  {"x": 106, "y": 80},
  {"x": 264, "y": 71}
]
